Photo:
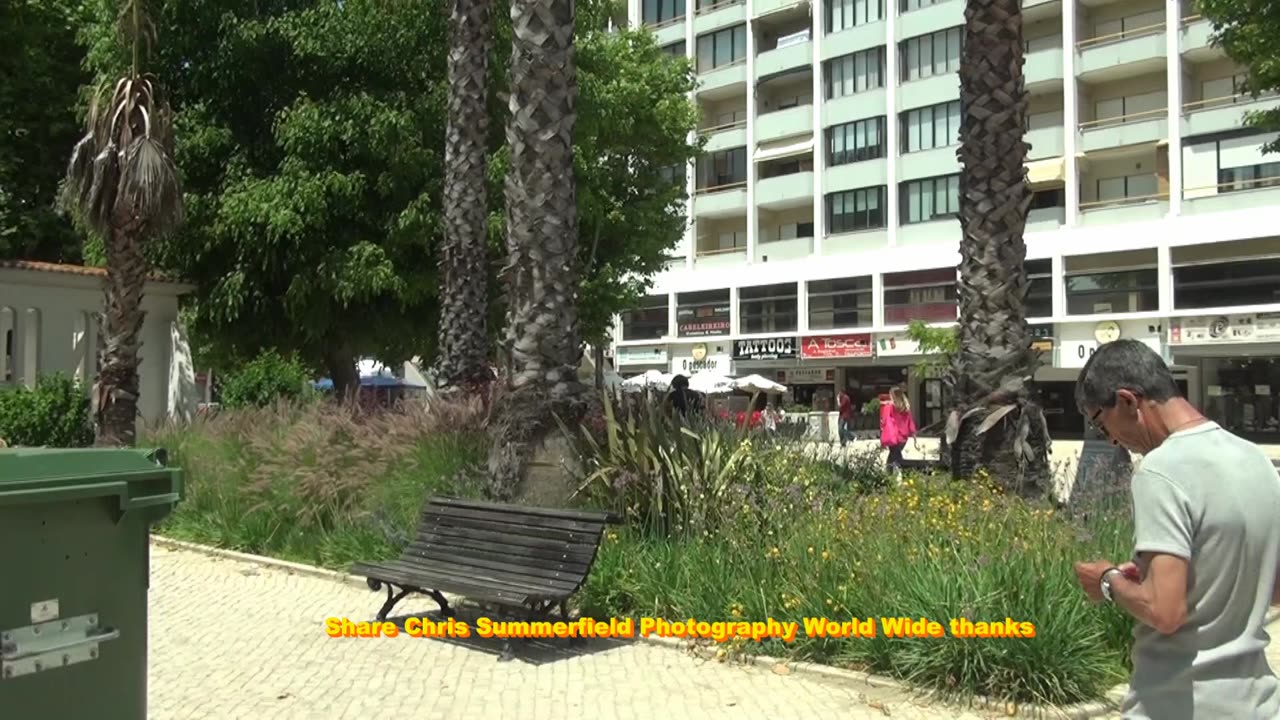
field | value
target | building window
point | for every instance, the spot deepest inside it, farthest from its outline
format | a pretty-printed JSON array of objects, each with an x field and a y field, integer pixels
[
  {"x": 675, "y": 49},
  {"x": 854, "y": 210},
  {"x": 788, "y": 231},
  {"x": 767, "y": 308},
  {"x": 931, "y": 127},
  {"x": 844, "y": 14},
  {"x": 929, "y": 55},
  {"x": 1226, "y": 284},
  {"x": 702, "y": 313},
  {"x": 1117, "y": 291},
  {"x": 930, "y": 199},
  {"x": 723, "y": 47},
  {"x": 842, "y": 303},
  {"x": 1249, "y": 177},
  {"x": 658, "y": 12},
  {"x": 1048, "y": 199},
  {"x": 850, "y": 74},
  {"x": 1039, "y": 288},
  {"x": 1129, "y": 187},
  {"x": 674, "y": 174},
  {"x": 1145, "y": 106},
  {"x": 1244, "y": 397},
  {"x": 722, "y": 168},
  {"x": 648, "y": 321},
  {"x": 855, "y": 141},
  {"x": 907, "y": 6},
  {"x": 928, "y": 295}
]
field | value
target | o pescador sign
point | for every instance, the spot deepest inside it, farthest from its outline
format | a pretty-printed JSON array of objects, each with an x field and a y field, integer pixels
[{"x": 781, "y": 348}]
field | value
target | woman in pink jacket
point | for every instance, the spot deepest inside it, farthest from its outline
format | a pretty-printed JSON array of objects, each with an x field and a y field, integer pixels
[{"x": 896, "y": 426}]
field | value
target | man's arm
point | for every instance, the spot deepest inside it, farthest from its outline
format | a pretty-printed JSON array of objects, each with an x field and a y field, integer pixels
[
  {"x": 1275, "y": 588},
  {"x": 1159, "y": 600}
]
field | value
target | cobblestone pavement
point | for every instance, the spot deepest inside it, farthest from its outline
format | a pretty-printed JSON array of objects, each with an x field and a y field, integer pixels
[{"x": 232, "y": 639}]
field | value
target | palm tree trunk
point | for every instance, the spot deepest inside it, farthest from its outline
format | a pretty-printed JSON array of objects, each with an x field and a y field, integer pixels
[
  {"x": 116, "y": 393},
  {"x": 994, "y": 366},
  {"x": 463, "y": 337},
  {"x": 542, "y": 274}
]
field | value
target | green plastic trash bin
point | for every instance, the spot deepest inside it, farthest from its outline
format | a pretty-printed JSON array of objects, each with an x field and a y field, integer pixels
[{"x": 74, "y": 572}]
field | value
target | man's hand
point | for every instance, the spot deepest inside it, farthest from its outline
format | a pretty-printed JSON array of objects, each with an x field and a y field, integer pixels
[{"x": 1090, "y": 576}]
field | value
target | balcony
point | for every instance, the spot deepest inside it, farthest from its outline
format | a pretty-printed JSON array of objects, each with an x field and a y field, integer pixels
[
  {"x": 1140, "y": 128},
  {"x": 1122, "y": 210},
  {"x": 1239, "y": 195},
  {"x": 784, "y": 123},
  {"x": 715, "y": 15},
  {"x": 928, "y": 163},
  {"x": 1046, "y": 219},
  {"x": 779, "y": 250},
  {"x": 929, "y": 91},
  {"x": 785, "y": 57},
  {"x": 724, "y": 137},
  {"x": 785, "y": 191},
  {"x": 1223, "y": 113},
  {"x": 868, "y": 103},
  {"x": 1045, "y": 142},
  {"x": 1043, "y": 68},
  {"x": 1130, "y": 52},
  {"x": 857, "y": 242},
  {"x": 852, "y": 40},
  {"x": 927, "y": 20},
  {"x": 770, "y": 7},
  {"x": 719, "y": 258},
  {"x": 720, "y": 201},
  {"x": 669, "y": 31},
  {"x": 852, "y": 176},
  {"x": 1195, "y": 40},
  {"x": 724, "y": 81}
]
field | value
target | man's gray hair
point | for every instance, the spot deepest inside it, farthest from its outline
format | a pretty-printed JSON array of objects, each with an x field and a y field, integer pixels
[{"x": 1123, "y": 365}]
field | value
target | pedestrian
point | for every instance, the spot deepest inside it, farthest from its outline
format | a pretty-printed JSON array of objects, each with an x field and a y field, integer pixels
[
  {"x": 1206, "y": 546},
  {"x": 896, "y": 427},
  {"x": 677, "y": 400},
  {"x": 844, "y": 424}
]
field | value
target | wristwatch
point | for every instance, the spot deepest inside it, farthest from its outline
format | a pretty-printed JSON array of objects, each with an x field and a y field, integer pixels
[{"x": 1106, "y": 582}]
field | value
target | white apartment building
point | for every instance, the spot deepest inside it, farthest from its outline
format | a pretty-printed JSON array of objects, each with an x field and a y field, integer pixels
[{"x": 822, "y": 217}]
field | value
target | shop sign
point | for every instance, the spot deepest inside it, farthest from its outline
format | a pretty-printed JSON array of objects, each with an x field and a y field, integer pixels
[
  {"x": 807, "y": 376},
  {"x": 836, "y": 346},
  {"x": 642, "y": 355},
  {"x": 703, "y": 320},
  {"x": 895, "y": 344},
  {"x": 1041, "y": 337},
  {"x": 1079, "y": 341},
  {"x": 781, "y": 348},
  {"x": 1222, "y": 329},
  {"x": 691, "y": 364}
]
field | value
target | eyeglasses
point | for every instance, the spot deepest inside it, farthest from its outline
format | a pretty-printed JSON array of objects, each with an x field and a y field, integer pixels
[{"x": 1098, "y": 426}]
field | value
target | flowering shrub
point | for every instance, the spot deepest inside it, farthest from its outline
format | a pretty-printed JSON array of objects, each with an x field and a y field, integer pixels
[{"x": 927, "y": 548}]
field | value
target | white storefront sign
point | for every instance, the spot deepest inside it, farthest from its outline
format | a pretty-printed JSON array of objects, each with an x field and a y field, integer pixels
[
  {"x": 895, "y": 345},
  {"x": 1078, "y": 341},
  {"x": 642, "y": 355},
  {"x": 1225, "y": 329},
  {"x": 808, "y": 376},
  {"x": 688, "y": 364}
]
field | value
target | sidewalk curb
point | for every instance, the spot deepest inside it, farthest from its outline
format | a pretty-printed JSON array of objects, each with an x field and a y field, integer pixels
[{"x": 1082, "y": 711}]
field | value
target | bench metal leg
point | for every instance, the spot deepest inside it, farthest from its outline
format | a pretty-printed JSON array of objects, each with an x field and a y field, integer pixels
[
  {"x": 392, "y": 599},
  {"x": 445, "y": 610},
  {"x": 564, "y": 614}
]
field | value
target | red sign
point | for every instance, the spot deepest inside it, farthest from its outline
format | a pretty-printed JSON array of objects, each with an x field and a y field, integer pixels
[{"x": 836, "y": 346}]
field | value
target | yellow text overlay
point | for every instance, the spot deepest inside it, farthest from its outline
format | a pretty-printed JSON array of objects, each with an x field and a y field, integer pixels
[{"x": 719, "y": 631}]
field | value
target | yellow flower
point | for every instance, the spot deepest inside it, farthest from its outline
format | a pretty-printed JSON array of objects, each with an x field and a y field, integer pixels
[
  {"x": 613, "y": 536},
  {"x": 826, "y": 555},
  {"x": 810, "y": 549}
]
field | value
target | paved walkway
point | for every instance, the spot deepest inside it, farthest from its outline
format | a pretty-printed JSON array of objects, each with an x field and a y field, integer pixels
[{"x": 232, "y": 640}]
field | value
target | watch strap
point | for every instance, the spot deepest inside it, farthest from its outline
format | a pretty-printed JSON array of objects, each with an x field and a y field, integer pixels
[{"x": 1105, "y": 581}]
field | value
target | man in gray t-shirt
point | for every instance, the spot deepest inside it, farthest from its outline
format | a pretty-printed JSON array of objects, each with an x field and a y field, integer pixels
[{"x": 1207, "y": 546}]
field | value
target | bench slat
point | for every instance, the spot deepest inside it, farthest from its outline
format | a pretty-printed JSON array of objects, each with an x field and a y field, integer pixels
[
  {"x": 584, "y": 547},
  {"x": 492, "y": 542},
  {"x": 591, "y": 516},
  {"x": 518, "y": 533},
  {"x": 514, "y": 519},
  {"x": 443, "y": 570},
  {"x": 401, "y": 577},
  {"x": 447, "y": 547},
  {"x": 465, "y": 558}
]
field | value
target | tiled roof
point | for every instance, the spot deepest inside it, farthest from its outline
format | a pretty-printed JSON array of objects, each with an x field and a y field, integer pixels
[{"x": 48, "y": 267}]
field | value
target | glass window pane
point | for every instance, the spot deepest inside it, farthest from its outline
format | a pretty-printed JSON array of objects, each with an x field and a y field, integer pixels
[
  {"x": 924, "y": 57},
  {"x": 1110, "y": 189},
  {"x": 953, "y": 194},
  {"x": 915, "y": 202}
]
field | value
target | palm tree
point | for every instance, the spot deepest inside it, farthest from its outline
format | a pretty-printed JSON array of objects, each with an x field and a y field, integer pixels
[
  {"x": 463, "y": 337},
  {"x": 993, "y": 369},
  {"x": 122, "y": 184},
  {"x": 542, "y": 341}
]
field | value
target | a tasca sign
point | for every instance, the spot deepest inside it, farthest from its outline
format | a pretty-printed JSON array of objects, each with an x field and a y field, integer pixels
[
  {"x": 765, "y": 349},
  {"x": 836, "y": 346}
]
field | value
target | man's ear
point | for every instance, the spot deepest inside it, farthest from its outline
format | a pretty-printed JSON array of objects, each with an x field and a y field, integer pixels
[{"x": 1126, "y": 398}]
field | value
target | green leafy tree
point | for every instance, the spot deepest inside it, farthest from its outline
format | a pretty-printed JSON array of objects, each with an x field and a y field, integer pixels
[
  {"x": 1249, "y": 32},
  {"x": 266, "y": 379},
  {"x": 41, "y": 73}
]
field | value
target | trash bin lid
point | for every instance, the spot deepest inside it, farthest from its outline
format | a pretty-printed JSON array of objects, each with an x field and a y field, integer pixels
[{"x": 138, "y": 476}]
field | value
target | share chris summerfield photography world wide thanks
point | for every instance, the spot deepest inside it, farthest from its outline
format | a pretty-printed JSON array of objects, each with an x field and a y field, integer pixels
[{"x": 719, "y": 631}]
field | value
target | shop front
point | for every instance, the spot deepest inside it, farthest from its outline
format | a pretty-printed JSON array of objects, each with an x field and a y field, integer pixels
[
  {"x": 632, "y": 360},
  {"x": 708, "y": 357},
  {"x": 1237, "y": 361},
  {"x": 766, "y": 357},
  {"x": 896, "y": 358},
  {"x": 812, "y": 388}
]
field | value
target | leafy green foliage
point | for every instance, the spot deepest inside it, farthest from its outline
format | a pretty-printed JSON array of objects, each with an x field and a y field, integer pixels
[
  {"x": 40, "y": 77},
  {"x": 937, "y": 344},
  {"x": 266, "y": 380},
  {"x": 54, "y": 414},
  {"x": 1249, "y": 32}
]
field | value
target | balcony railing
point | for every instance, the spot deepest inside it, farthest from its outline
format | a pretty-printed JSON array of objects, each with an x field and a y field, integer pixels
[
  {"x": 721, "y": 4},
  {"x": 719, "y": 188},
  {"x": 1234, "y": 186},
  {"x": 1224, "y": 101},
  {"x": 733, "y": 63},
  {"x": 1123, "y": 202},
  {"x": 667, "y": 23},
  {"x": 1124, "y": 119},
  {"x": 721, "y": 251},
  {"x": 712, "y": 129},
  {"x": 1120, "y": 36}
]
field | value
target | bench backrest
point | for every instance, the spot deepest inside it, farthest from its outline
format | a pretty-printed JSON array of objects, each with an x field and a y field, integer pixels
[{"x": 499, "y": 544}]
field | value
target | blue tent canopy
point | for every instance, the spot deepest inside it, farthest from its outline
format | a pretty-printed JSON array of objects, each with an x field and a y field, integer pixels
[{"x": 379, "y": 381}]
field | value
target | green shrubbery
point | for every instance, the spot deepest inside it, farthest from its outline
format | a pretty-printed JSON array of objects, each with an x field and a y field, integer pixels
[
  {"x": 266, "y": 379},
  {"x": 320, "y": 483},
  {"x": 54, "y": 414},
  {"x": 729, "y": 525}
]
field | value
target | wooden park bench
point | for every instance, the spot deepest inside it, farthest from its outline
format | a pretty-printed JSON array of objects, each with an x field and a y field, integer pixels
[{"x": 512, "y": 556}]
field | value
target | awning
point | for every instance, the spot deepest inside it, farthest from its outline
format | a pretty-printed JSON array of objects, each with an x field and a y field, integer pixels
[
  {"x": 1051, "y": 171},
  {"x": 784, "y": 148}
]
